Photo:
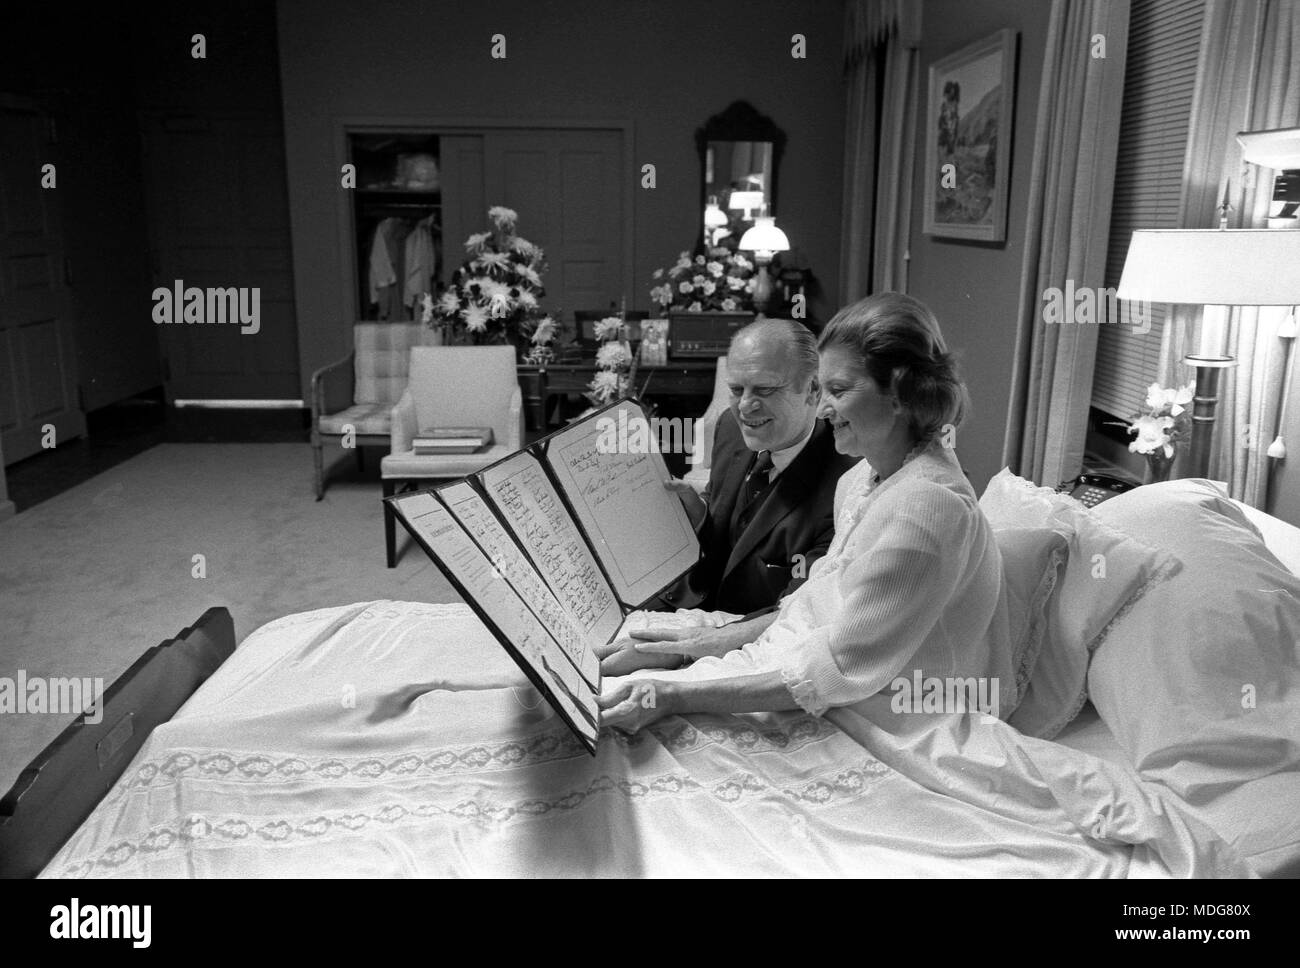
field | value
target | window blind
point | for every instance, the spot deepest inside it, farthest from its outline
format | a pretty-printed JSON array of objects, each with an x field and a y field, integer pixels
[{"x": 1164, "y": 41}]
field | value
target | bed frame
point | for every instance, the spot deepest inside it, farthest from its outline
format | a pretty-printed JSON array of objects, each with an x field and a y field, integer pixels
[{"x": 56, "y": 793}]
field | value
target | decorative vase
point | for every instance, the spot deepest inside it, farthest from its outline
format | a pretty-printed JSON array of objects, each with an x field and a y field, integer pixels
[{"x": 1158, "y": 467}]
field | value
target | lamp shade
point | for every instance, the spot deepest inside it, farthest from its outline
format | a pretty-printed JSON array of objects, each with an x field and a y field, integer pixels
[
  {"x": 746, "y": 200},
  {"x": 714, "y": 217},
  {"x": 1278, "y": 149},
  {"x": 764, "y": 236},
  {"x": 1214, "y": 267}
]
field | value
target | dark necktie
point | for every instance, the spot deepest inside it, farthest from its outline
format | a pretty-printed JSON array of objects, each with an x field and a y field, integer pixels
[{"x": 751, "y": 489}]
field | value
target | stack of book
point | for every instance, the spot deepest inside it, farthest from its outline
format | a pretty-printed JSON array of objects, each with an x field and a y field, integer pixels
[{"x": 452, "y": 440}]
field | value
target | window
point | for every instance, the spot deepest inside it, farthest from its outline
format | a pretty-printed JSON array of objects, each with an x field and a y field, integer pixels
[{"x": 1164, "y": 42}]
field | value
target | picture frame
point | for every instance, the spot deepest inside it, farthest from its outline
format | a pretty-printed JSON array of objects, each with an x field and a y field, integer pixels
[{"x": 969, "y": 115}]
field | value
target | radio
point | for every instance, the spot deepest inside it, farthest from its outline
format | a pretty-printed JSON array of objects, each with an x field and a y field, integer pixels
[{"x": 704, "y": 335}]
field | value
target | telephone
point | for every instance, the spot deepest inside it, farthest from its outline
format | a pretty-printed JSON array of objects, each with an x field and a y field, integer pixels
[{"x": 1091, "y": 489}]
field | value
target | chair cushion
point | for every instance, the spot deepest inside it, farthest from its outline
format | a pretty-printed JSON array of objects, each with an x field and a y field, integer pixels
[
  {"x": 383, "y": 353},
  {"x": 365, "y": 418},
  {"x": 408, "y": 464}
]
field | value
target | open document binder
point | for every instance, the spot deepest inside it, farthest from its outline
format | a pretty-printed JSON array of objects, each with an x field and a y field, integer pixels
[{"x": 554, "y": 545}]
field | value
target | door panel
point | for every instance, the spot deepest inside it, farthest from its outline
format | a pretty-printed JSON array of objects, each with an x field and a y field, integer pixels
[
  {"x": 566, "y": 186},
  {"x": 218, "y": 218},
  {"x": 37, "y": 353}
]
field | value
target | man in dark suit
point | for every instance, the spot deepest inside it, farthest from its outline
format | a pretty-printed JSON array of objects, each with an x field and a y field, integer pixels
[{"x": 766, "y": 515}]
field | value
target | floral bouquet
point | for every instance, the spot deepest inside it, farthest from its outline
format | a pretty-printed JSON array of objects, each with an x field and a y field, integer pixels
[
  {"x": 719, "y": 280},
  {"x": 615, "y": 363},
  {"x": 494, "y": 297},
  {"x": 1160, "y": 426}
]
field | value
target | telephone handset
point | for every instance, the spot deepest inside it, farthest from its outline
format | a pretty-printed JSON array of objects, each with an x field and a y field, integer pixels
[{"x": 1092, "y": 489}]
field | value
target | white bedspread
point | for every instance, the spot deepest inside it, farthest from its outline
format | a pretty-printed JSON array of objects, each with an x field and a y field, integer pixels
[{"x": 397, "y": 739}]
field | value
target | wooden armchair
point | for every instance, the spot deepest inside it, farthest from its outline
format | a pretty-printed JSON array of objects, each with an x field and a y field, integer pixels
[{"x": 360, "y": 390}]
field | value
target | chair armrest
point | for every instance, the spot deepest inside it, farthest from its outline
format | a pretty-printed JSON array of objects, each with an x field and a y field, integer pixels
[
  {"x": 405, "y": 423},
  {"x": 333, "y": 387},
  {"x": 516, "y": 423}
]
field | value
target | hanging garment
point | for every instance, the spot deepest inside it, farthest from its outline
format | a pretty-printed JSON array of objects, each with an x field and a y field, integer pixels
[{"x": 420, "y": 263}]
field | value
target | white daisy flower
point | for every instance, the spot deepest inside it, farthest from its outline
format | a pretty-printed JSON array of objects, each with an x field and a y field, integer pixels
[
  {"x": 449, "y": 302},
  {"x": 612, "y": 354},
  {"x": 605, "y": 386},
  {"x": 729, "y": 305},
  {"x": 709, "y": 288},
  {"x": 685, "y": 288},
  {"x": 608, "y": 327},
  {"x": 476, "y": 241},
  {"x": 475, "y": 317},
  {"x": 694, "y": 307},
  {"x": 715, "y": 269},
  {"x": 545, "y": 331}
]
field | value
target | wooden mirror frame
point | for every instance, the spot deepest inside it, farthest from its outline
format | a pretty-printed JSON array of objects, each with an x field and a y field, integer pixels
[{"x": 740, "y": 121}]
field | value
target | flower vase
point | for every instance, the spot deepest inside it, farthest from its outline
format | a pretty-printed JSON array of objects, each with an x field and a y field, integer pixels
[{"x": 1159, "y": 467}]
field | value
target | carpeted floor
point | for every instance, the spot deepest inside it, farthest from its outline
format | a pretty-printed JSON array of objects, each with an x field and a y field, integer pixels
[{"x": 94, "y": 576}]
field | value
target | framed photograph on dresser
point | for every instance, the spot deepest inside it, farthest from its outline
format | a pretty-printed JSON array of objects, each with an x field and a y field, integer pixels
[{"x": 968, "y": 140}]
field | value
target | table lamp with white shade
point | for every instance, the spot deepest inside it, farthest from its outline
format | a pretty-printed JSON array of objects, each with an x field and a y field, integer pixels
[
  {"x": 764, "y": 240},
  {"x": 1215, "y": 268}
]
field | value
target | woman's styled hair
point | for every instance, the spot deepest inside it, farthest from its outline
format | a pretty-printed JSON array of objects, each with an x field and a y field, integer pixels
[{"x": 898, "y": 340}]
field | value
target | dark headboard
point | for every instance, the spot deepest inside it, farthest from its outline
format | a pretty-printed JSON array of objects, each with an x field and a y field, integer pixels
[{"x": 58, "y": 790}]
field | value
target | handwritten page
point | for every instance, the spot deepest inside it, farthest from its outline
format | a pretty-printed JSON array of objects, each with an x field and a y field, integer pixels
[
  {"x": 477, "y": 518},
  {"x": 538, "y": 518},
  {"x": 638, "y": 529},
  {"x": 453, "y": 548}
]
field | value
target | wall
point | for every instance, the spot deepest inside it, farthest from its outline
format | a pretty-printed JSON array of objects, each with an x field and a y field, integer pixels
[
  {"x": 972, "y": 287},
  {"x": 665, "y": 66},
  {"x": 79, "y": 72}
]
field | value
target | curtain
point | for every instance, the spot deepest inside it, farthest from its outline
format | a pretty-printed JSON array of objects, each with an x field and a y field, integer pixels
[
  {"x": 1248, "y": 79},
  {"x": 881, "y": 71},
  {"x": 1066, "y": 234}
]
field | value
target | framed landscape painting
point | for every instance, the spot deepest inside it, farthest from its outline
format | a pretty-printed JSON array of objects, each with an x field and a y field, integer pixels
[{"x": 968, "y": 140}]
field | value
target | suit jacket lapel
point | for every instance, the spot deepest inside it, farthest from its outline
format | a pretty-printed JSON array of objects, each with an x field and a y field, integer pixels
[{"x": 790, "y": 488}]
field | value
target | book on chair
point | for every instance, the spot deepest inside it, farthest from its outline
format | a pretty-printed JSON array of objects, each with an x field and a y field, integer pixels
[
  {"x": 451, "y": 440},
  {"x": 555, "y": 545}
]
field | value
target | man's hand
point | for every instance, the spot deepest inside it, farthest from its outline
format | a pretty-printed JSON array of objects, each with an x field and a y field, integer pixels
[
  {"x": 632, "y": 706},
  {"x": 692, "y": 643},
  {"x": 623, "y": 657},
  {"x": 695, "y": 507}
]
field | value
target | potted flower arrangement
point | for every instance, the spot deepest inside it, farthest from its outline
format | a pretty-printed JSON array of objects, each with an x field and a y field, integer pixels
[
  {"x": 495, "y": 296},
  {"x": 718, "y": 280},
  {"x": 1160, "y": 426}
]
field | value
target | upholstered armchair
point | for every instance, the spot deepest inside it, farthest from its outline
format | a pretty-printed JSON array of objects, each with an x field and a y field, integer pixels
[
  {"x": 452, "y": 386},
  {"x": 359, "y": 391}
]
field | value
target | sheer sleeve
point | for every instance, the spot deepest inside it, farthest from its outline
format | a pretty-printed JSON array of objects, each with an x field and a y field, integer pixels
[{"x": 904, "y": 572}]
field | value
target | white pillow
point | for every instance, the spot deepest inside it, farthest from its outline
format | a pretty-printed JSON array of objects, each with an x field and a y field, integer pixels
[
  {"x": 1032, "y": 562},
  {"x": 1200, "y": 682},
  {"x": 1105, "y": 573}
]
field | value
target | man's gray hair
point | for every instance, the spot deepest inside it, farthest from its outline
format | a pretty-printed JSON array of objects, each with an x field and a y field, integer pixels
[{"x": 791, "y": 332}]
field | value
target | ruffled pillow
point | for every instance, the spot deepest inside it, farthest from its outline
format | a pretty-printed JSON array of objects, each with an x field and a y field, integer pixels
[{"x": 1105, "y": 574}]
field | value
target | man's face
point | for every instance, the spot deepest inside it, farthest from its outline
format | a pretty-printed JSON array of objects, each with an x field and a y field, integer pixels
[{"x": 774, "y": 407}]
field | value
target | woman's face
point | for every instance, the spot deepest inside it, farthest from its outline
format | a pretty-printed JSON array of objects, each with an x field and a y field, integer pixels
[{"x": 864, "y": 417}]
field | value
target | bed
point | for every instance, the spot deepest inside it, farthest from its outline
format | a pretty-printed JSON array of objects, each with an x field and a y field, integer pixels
[{"x": 396, "y": 739}]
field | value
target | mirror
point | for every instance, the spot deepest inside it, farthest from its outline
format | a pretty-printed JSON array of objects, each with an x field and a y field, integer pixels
[{"x": 740, "y": 150}]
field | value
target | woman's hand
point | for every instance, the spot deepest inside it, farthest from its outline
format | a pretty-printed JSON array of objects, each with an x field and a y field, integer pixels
[
  {"x": 632, "y": 706},
  {"x": 698, "y": 642}
]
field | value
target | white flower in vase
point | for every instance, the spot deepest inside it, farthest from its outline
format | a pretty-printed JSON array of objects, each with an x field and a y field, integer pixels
[
  {"x": 608, "y": 328},
  {"x": 545, "y": 331},
  {"x": 685, "y": 288},
  {"x": 611, "y": 354},
  {"x": 475, "y": 317},
  {"x": 477, "y": 241},
  {"x": 502, "y": 217},
  {"x": 605, "y": 386},
  {"x": 497, "y": 298},
  {"x": 493, "y": 260},
  {"x": 1152, "y": 435},
  {"x": 449, "y": 302}
]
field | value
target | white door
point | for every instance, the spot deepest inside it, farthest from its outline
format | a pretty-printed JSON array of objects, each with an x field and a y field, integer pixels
[
  {"x": 569, "y": 188},
  {"x": 38, "y": 375}
]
